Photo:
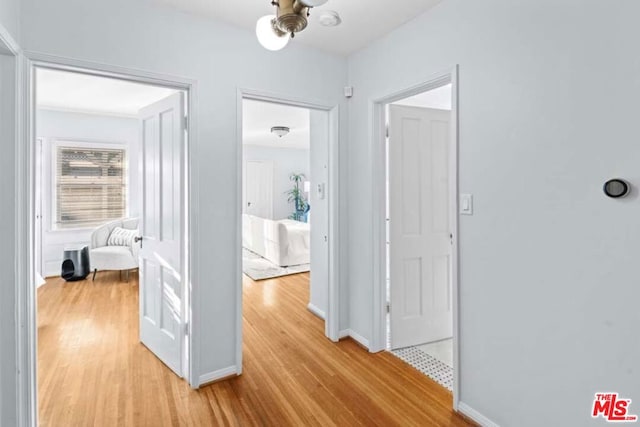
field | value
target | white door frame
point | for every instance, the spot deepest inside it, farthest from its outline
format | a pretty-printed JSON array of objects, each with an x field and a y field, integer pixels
[
  {"x": 333, "y": 309},
  {"x": 378, "y": 188},
  {"x": 26, "y": 295}
]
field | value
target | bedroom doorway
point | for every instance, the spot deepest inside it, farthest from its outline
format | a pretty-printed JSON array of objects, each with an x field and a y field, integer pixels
[
  {"x": 287, "y": 198},
  {"x": 111, "y": 168},
  {"x": 284, "y": 222}
]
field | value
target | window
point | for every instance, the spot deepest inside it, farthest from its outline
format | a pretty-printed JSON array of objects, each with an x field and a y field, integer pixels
[{"x": 90, "y": 185}]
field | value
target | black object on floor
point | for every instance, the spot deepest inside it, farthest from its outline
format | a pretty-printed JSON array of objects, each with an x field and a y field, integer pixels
[{"x": 75, "y": 264}]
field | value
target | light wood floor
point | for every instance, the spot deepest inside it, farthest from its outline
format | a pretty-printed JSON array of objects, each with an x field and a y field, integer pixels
[{"x": 94, "y": 372}]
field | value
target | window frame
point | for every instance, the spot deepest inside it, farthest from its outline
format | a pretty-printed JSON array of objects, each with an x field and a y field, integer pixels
[{"x": 85, "y": 143}]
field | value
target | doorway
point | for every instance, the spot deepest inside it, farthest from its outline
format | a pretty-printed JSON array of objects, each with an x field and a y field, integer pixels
[
  {"x": 287, "y": 154},
  {"x": 110, "y": 174},
  {"x": 417, "y": 227},
  {"x": 419, "y": 236}
]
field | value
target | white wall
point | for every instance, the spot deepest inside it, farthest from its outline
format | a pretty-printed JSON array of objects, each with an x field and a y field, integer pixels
[
  {"x": 136, "y": 34},
  {"x": 285, "y": 161},
  {"x": 549, "y": 279},
  {"x": 89, "y": 128}
]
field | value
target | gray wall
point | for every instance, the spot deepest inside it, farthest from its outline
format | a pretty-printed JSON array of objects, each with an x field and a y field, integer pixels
[
  {"x": 10, "y": 21},
  {"x": 7, "y": 247},
  {"x": 10, "y": 17},
  {"x": 549, "y": 278}
]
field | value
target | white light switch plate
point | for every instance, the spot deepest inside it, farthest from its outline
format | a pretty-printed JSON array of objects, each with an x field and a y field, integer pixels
[{"x": 466, "y": 204}]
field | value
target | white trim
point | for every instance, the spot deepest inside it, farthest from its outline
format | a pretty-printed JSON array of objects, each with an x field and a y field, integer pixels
[
  {"x": 476, "y": 416},
  {"x": 378, "y": 186},
  {"x": 220, "y": 374},
  {"x": 26, "y": 329},
  {"x": 316, "y": 311},
  {"x": 356, "y": 337},
  {"x": 25, "y": 207},
  {"x": 7, "y": 39},
  {"x": 87, "y": 112},
  {"x": 332, "y": 321}
]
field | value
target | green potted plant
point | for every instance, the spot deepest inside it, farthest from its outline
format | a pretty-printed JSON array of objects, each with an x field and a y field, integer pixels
[{"x": 296, "y": 196}]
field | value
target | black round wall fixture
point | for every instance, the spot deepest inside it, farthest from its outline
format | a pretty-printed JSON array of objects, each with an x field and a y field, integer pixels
[{"x": 616, "y": 188}]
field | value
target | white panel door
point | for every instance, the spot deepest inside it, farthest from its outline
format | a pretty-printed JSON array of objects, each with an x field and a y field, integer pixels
[
  {"x": 420, "y": 243},
  {"x": 161, "y": 294},
  {"x": 258, "y": 184}
]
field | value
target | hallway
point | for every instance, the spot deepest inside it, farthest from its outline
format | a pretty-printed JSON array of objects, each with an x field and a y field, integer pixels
[{"x": 93, "y": 370}]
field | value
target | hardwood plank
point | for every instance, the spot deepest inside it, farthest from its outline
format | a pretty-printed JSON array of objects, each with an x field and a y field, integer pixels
[{"x": 94, "y": 372}]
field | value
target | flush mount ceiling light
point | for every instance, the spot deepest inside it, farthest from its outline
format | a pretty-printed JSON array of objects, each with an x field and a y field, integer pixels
[
  {"x": 274, "y": 31},
  {"x": 280, "y": 131},
  {"x": 329, "y": 18}
]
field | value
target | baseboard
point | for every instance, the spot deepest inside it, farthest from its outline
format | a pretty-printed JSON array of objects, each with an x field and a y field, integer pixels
[
  {"x": 316, "y": 311},
  {"x": 474, "y": 415},
  {"x": 355, "y": 336},
  {"x": 215, "y": 376}
]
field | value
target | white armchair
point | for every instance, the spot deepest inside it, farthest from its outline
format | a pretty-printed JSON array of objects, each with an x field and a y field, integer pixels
[{"x": 105, "y": 257}]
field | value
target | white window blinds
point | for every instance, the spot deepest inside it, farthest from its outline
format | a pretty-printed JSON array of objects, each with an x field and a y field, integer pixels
[{"x": 90, "y": 186}]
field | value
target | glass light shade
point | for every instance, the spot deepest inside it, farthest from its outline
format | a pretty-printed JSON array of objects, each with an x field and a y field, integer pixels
[
  {"x": 313, "y": 3},
  {"x": 267, "y": 36}
]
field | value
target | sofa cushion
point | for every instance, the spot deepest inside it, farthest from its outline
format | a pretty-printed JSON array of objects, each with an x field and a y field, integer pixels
[{"x": 113, "y": 258}]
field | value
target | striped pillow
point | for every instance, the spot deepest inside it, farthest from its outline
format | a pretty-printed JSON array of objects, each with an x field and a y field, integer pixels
[{"x": 121, "y": 237}]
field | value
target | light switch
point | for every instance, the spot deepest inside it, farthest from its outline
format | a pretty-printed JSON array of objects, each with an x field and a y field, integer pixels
[
  {"x": 466, "y": 204},
  {"x": 321, "y": 191}
]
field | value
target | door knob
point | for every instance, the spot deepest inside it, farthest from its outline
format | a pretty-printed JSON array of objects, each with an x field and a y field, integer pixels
[{"x": 138, "y": 239}]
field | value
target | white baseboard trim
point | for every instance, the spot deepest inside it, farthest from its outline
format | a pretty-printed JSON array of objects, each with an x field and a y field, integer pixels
[
  {"x": 316, "y": 311},
  {"x": 356, "y": 336},
  {"x": 476, "y": 416},
  {"x": 217, "y": 375}
]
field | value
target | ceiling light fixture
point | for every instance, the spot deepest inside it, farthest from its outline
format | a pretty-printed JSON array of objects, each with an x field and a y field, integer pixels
[
  {"x": 274, "y": 31},
  {"x": 280, "y": 131},
  {"x": 268, "y": 34}
]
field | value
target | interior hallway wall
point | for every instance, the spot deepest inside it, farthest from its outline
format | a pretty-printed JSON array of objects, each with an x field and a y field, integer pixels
[{"x": 549, "y": 283}]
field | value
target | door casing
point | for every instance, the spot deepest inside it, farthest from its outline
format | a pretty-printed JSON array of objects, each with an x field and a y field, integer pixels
[
  {"x": 332, "y": 322},
  {"x": 26, "y": 295},
  {"x": 377, "y": 108}
]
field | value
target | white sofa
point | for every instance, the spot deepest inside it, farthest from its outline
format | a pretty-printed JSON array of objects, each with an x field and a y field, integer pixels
[
  {"x": 284, "y": 243},
  {"x": 104, "y": 257}
]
